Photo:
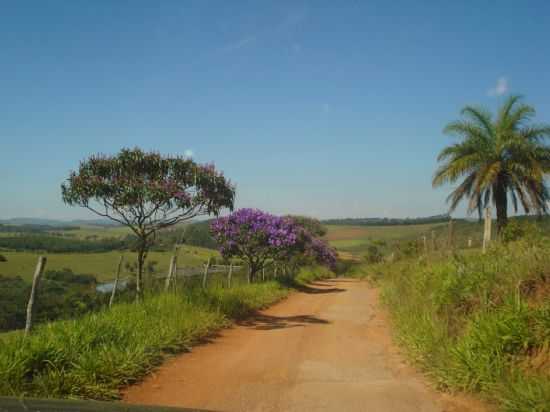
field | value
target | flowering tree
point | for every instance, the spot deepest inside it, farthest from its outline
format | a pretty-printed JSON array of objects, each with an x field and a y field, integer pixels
[
  {"x": 258, "y": 237},
  {"x": 147, "y": 192},
  {"x": 310, "y": 224},
  {"x": 310, "y": 247},
  {"x": 322, "y": 252},
  {"x": 254, "y": 236}
]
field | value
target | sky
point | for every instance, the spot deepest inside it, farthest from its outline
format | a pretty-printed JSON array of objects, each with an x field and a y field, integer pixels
[{"x": 330, "y": 109}]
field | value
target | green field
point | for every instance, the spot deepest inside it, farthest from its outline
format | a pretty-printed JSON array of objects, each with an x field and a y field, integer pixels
[
  {"x": 97, "y": 231},
  {"x": 355, "y": 239},
  {"x": 102, "y": 265}
]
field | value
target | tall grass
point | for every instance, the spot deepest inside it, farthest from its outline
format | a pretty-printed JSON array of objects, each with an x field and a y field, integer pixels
[
  {"x": 94, "y": 356},
  {"x": 477, "y": 323}
]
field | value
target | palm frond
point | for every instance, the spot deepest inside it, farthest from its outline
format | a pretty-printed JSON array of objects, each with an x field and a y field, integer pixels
[{"x": 481, "y": 117}]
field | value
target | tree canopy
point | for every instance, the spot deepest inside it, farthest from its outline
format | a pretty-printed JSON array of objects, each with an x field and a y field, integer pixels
[
  {"x": 258, "y": 237},
  {"x": 498, "y": 158},
  {"x": 147, "y": 192}
]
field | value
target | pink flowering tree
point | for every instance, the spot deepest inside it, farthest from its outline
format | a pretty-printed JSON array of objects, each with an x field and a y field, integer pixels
[{"x": 146, "y": 192}]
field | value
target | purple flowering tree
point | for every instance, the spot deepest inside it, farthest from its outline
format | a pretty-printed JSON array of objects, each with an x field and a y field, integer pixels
[
  {"x": 254, "y": 236},
  {"x": 310, "y": 247},
  {"x": 147, "y": 192},
  {"x": 319, "y": 250},
  {"x": 258, "y": 237}
]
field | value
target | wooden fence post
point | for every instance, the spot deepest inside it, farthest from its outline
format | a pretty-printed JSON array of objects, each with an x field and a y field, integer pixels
[
  {"x": 171, "y": 270},
  {"x": 433, "y": 241},
  {"x": 229, "y": 275},
  {"x": 35, "y": 281},
  {"x": 487, "y": 229},
  {"x": 115, "y": 286},
  {"x": 469, "y": 242},
  {"x": 175, "y": 277},
  {"x": 263, "y": 274},
  {"x": 206, "y": 267},
  {"x": 450, "y": 240}
]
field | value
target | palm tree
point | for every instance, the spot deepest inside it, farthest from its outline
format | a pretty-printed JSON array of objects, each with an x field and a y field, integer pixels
[{"x": 497, "y": 160}]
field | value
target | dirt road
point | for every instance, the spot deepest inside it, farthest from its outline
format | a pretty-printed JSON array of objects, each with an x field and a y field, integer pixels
[{"x": 327, "y": 348}]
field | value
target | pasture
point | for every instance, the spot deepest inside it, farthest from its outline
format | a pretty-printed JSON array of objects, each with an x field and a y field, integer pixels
[
  {"x": 94, "y": 231},
  {"x": 101, "y": 265},
  {"x": 355, "y": 239}
]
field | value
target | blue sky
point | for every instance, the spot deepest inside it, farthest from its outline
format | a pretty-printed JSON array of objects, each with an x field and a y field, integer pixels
[{"x": 324, "y": 108}]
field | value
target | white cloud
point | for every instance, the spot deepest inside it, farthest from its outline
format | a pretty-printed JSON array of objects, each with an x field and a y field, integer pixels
[
  {"x": 500, "y": 88},
  {"x": 189, "y": 153}
]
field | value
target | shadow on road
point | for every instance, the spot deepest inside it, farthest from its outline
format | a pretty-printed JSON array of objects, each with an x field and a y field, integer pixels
[
  {"x": 314, "y": 291},
  {"x": 268, "y": 322},
  {"x": 339, "y": 280}
]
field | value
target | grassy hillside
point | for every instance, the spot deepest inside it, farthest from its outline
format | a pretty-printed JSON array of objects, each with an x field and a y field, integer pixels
[
  {"x": 477, "y": 323},
  {"x": 102, "y": 265},
  {"x": 355, "y": 239},
  {"x": 97, "y": 231},
  {"x": 96, "y": 355}
]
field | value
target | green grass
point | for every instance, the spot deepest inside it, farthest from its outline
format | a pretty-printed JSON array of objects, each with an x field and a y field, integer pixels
[
  {"x": 102, "y": 265},
  {"x": 94, "y": 356},
  {"x": 476, "y": 323}
]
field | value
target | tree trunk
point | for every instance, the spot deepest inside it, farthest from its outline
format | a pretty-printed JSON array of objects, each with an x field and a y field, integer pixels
[
  {"x": 501, "y": 203},
  {"x": 252, "y": 270},
  {"x": 139, "y": 273}
]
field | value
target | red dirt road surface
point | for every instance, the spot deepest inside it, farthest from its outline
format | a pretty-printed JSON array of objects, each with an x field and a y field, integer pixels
[{"x": 327, "y": 348}]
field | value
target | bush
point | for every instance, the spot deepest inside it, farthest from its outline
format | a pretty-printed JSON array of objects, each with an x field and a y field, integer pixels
[
  {"x": 3, "y": 258},
  {"x": 517, "y": 229},
  {"x": 373, "y": 255}
]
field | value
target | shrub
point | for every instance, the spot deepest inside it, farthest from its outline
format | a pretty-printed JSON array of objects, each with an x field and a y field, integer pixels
[
  {"x": 3, "y": 258},
  {"x": 373, "y": 255},
  {"x": 520, "y": 229}
]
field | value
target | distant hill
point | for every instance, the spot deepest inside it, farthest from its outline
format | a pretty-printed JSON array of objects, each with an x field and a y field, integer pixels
[
  {"x": 384, "y": 221},
  {"x": 56, "y": 223}
]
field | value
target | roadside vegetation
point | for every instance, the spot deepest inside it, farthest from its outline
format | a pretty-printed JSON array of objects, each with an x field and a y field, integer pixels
[
  {"x": 480, "y": 322},
  {"x": 96, "y": 355},
  {"x": 96, "y": 349},
  {"x": 477, "y": 323}
]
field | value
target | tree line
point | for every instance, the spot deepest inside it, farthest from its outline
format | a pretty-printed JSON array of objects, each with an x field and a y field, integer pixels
[
  {"x": 33, "y": 228},
  {"x": 385, "y": 221}
]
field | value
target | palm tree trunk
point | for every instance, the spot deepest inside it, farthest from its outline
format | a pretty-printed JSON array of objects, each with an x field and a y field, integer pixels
[{"x": 501, "y": 203}]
